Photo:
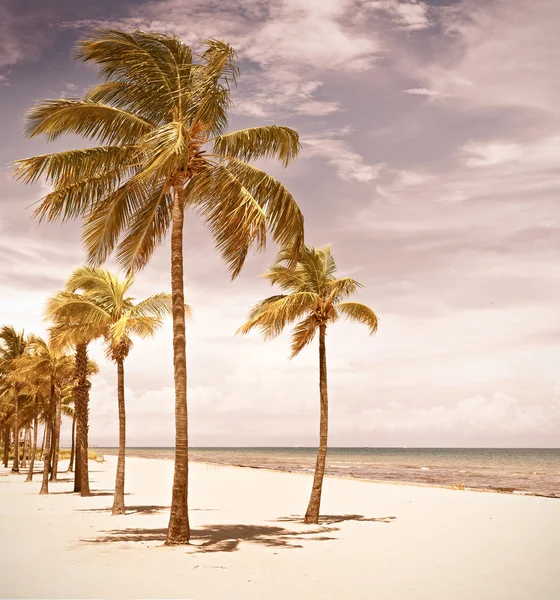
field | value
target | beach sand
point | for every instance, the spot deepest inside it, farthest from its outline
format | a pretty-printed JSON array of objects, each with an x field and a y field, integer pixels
[{"x": 377, "y": 541}]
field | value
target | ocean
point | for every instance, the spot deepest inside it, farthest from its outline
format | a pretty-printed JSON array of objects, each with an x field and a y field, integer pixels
[{"x": 521, "y": 470}]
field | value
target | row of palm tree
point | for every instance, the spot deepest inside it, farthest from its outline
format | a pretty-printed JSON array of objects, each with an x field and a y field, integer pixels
[
  {"x": 94, "y": 304},
  {"x": 159, "y": 123}
]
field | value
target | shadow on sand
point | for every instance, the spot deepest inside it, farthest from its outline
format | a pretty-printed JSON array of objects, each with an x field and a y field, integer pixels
[
  {"x": 226, "y": 538},
  {"x": 332, "y": 519}
]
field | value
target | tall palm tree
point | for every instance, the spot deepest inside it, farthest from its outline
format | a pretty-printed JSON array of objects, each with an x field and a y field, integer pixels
[
  {"x": 160, "y": 118},
  {"x": 13, "y": 345},
  {"x": 314, "y": 299},
  {"x": 104, "y": 301}
]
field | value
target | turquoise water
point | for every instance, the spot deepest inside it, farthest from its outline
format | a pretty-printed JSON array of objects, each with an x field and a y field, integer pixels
[{"x": 526, "y": 470}]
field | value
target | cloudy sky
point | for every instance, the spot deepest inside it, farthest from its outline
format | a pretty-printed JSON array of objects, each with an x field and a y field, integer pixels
[{"x": 430, "y": 161}]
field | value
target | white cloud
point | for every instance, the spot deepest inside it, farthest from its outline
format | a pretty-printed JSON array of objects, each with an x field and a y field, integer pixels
[
  {"x": 498, "y": 414},
  {"x": 284, "y": 39},
  {"x": 498, "y": 54},
  {"x": 409, "y": 14},
  {"x": 422, "y": 92},
  {"x": 349, "y": 165},
  {"x": 539, "y": 154}
]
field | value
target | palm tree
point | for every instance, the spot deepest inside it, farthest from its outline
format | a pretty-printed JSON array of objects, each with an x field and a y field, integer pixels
[
  {"x": 47, "y": 367},
  {"x": 313, "y": 299},
  {"x": 104, "y": 301},
  {"x": 160, "y": 118},
  {"x": 73, "y": 329},
  {"x": 13, "y": 345}
]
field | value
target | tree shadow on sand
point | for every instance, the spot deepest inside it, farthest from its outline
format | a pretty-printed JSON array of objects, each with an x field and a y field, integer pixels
[
  {"x": 332, "y": 519},
  {"x": 223, "y": 538},
  {"x": 148, "y": 509},
  {"x": 96, "y": 493}
]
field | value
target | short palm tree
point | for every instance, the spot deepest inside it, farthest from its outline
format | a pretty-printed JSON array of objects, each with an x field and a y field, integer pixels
[
  {"x": 104, "y": 302},
  {"x": 46, "y": 371},
  {"x": 160, "y": 118},
  {"x": 314, "y": 299},
  {"x": 13, "y": 345}
]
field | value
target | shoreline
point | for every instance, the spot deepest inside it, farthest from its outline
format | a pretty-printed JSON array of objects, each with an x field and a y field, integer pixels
[{"x": 507, "y": 491}]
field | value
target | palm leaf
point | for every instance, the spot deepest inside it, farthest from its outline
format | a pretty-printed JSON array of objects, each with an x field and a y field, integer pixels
[
  {"x": 360, "y": 313},
  {"x": 259, "y": 142}
]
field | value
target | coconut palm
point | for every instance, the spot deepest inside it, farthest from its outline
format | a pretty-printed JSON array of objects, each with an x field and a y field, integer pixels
[
  {"x": 13, "y": 345},
  {"x": 160, "y": 118},
  {"x": 45, "y": 371},
  {"x": 104, "y": 301},
  {"x": 314, "y": 299},
  {"x": 73, "y": 329}
]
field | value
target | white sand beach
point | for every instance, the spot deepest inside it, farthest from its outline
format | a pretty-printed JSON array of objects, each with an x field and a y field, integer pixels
[{"x": 377, "y": 541}]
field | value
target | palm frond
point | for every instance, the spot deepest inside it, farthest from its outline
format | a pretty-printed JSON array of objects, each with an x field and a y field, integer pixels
[
  {"x": 360, "y": 313},
  {"x": 146, "y": 229},
  {"x": 93, "y": 120},
  {"x": 234, "y": 217},
  {"x": 303, "y": 334},
  {"x": 252, "y": 143},
  {"x": 72, "y": 166},
  {"x": 273, "y": 314},
  {"x": 284, "y": 218}
]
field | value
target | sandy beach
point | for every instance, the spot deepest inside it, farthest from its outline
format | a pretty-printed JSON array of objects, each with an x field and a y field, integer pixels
[{"x": 376, "y": 541}]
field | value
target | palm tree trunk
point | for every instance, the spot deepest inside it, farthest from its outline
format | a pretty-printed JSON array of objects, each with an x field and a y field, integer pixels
[
  {"x": 312, "y": 514},
  {"x": 7, "y": 434},
  {"x": 82, "y": 399},
  {"x": 56, "y": 440},
  {"x": 48, "y": 442},
  {"x": 23, "y": 464},
  {"x": 77, "y": 468},
  {"x": 118, "y": 500},
  {"x": 43, "y": 443},
  {"x": 71, "y": 464},
  {"x": 15, "y": 465},
  {"x": 34, "y": 449},
  {"x": 47, "y": 458},
  {"x": 179, "y": 529}
]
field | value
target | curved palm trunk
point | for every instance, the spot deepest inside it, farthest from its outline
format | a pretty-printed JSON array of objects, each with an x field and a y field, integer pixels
[
  {"x": 56, "y": 437},
  {"x": 118, "y": 500},
  {"x": 72, "y": 451},
  {"x": 179, "y": 530},
  {"x": 48, "y": 433},
  {"x": 15, "y": 464},
  {"x": 34, "y": 449},
  {"x": 82, "y": 400},
  {"x": 312, "y": 514}
]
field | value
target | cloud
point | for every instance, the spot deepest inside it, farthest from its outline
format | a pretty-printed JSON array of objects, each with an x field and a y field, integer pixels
[
  {"x": 498, "y": 414},
  {"x": 488, "y": 54},
  {"x": 282, "y": 41},
  {"x": 540, "y": 154},
  {"x": 349, "y": 165},
  {"x": 422, "y": 92},
  {"x": 18, "y": 39},
  {"x": 411, "y": 15}
]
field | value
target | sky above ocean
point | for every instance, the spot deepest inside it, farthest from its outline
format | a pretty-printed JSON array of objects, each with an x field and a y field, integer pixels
[{"x": 430, "y": 147}]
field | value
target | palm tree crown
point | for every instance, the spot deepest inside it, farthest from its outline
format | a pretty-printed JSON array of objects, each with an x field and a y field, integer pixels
[
  {"x": 160, "y": 119},
  {"x": 315, "y": 298},
  {"x": 104, "y": 309}
]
